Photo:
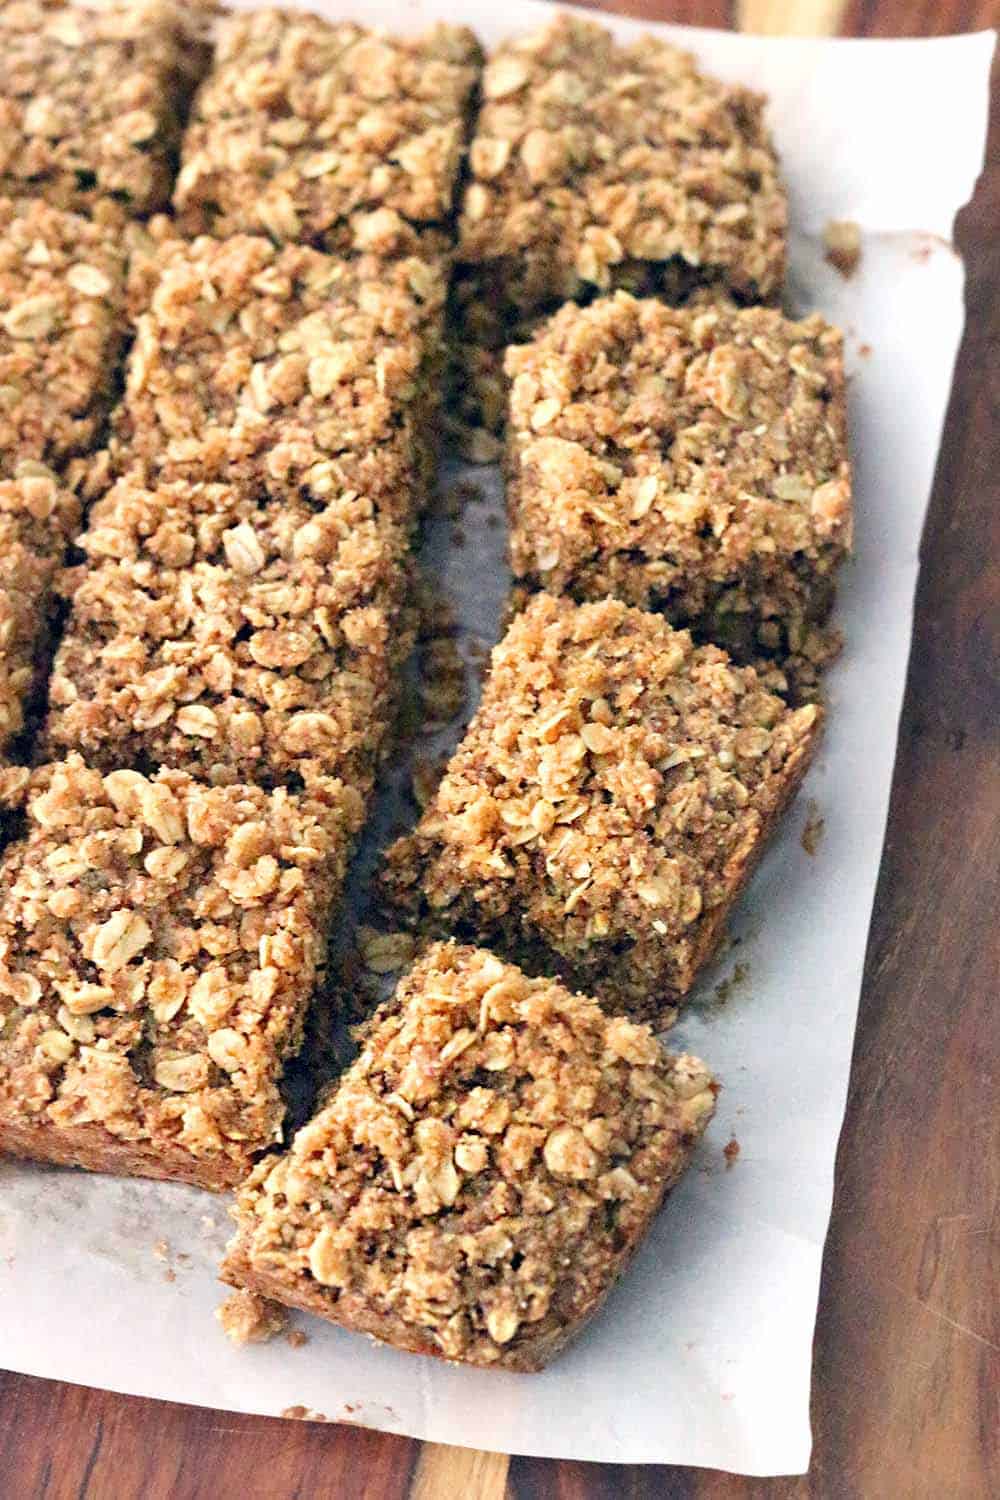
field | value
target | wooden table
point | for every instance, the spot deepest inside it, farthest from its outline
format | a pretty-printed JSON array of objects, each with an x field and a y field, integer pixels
[{"x": 906, "y": 1397}]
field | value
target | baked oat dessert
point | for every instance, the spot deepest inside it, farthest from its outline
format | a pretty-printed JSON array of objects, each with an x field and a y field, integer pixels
[
  {"x": 222, "y": 631},
  {"x": 481, "y": 1175},
  {"x": 159, "y": 943},
  {"x": 609, "y": 801},
  {"x": 285, "y": 366},
  {"x": 303, "y": 123},
  {"x": 61, "y": 330},
  {"x": 38, "y": 517},
  {"x": 594, "y": 162},
  {"x": 688, "y": 460},
  {"x": 92, "y": 98}
]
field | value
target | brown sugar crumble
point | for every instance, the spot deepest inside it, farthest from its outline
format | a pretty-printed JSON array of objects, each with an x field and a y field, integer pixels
[
  {"x": 731, "y": 1151},
  {"x": 481, "y": 1175},
  {"x": 225, "y": 632},
  {"x": 246, "y": 1318},
  {"x": 610, "y": 799},
  {"x": 687, "y": 460},
  {"x": 92, "y": 98},
  {"x": 61, "y": 328},
  {"x": 842, "y": 240},
  {"x": 813, "y": 828},
  {"x": 302, "y": 123},
  {"x": 284, "y": 366},
  {"x": 159, "y": 944}
]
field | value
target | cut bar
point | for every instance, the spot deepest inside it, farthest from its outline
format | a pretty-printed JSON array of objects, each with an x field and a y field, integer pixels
[
  {"x": 92, "y": 98},
  {"x": 481, "y": 1175},
  {"x": 302, "y": 124},
  {"x": 218, "y": 630},
  {"x": 159, "y": 943},
  {"x": 61, "y": 329},
  {"x": 610, "y": 799},
  {"x": 287, "y": 367},
  {"x": 687, "y": 460}
]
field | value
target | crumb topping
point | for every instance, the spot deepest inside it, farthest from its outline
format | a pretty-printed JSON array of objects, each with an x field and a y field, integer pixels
[
  {"x": 61, "y": 327},
  {"x": 609, "y": 798},
  {"x": 302, "y": 123},
  {"x": 590, "y": 156},
  {"x": 222, "y": 632},
  {"x": 481, "y": 1173},
  {"x": 159, "y": 940}
]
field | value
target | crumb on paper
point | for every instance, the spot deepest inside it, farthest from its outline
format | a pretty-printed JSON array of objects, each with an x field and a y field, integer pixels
[
  {"x": 865, "y": 351},
  {"x": 427, "y": 772},
  {"x": 731, "y": 1151},
  {"x": 297, "y": 1338},
  {"x": 385, "y": 952},
  {"x": 304, "y": 1414},
  {"x": 247, "y": 1318},
  {"x": 842, "y": 238},
  {"x": 161, "y": 1250},
  {"x": 724, "y": 989},
  {"x": 812, "y": 829},
  {"x": 442, "y": 681},
  {"x": 478, "y": 445}
]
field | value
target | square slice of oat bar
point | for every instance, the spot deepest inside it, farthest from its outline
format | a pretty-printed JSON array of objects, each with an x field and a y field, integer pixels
[
  {"x": 482, "y": 1174},
  {"x": 38, "y": 518},
  {"x": 159, "y": 944},
  {"x": 285, "y": 366},
  {"x": 610, "y": 799},
  {"x": 597, "y": 164},
  {"x": 302, "y": 123},
  {"x": 92, "y": 99},
  {"x": 61, "y": 330},
  {"x": 689, "y": 460},
  {"x": 222, "y": 631}
]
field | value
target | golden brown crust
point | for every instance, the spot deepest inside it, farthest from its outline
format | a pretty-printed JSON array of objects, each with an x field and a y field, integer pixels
[
  {"x": 287, "y": 366},
  {"x": 92, "y": 99},
  {"x": 159, "y": 942},
  {"x": 689, "y": 460},
  {"x": 61, "y": 329},
  {"x": 608, "y": 801},
  {"x": 481, "y": 1175},
  {"x": 224, "y": 632},
  {"x": 591, "y": 158},
  {"x": 302, "y": 123}
]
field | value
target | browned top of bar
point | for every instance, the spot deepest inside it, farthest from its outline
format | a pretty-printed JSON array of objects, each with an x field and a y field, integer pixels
[
  {"x": 61, "y": 293},
  {"x": 302, "y": 123},
  {"x": 710, "y": 436},
  {"x": 222, "y": 632},
  {"x": 589, "y": 154},
  {"x": 479, "y": 1171},
  {"x": 158, "y": 943},
  {"x": 90, "y": 99}
]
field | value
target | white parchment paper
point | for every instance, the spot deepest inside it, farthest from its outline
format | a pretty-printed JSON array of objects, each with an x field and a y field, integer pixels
[{"x": 703, "y": 1354}]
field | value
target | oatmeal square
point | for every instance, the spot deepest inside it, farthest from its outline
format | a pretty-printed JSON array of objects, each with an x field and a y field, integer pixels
[
  {"x": 607, "y": 804},
  {"x": 61, "y": 330},
  {"x": 92, "y": 99},
  {"x": 222, "y": 631},
  {"x": 303, "y": 123},
  {"x": 482, "y": 1174},
  {"x": 159, "y": 943}
]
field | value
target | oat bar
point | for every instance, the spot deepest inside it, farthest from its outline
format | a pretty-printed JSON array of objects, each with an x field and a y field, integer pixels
[
  {"x": 38, "y": 517},
  {"x": 689, "y": 460},
  {"x": 61, "y": 328},
  {"x": 608, "y": 802},
  {"x": 218, "y": 630},
  {"x": 159, "y": 942},
  {"x": 482, "y": 1174},
  {"x": 303, "y": 123},
  {"x": 596, "y": 164},
  {"x": 285, "y": 366},
  {"x": 92, "y": 97}
]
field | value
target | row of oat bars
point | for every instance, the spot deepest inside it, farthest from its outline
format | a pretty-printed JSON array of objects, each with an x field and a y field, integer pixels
[{"x": 239, "y": 620}]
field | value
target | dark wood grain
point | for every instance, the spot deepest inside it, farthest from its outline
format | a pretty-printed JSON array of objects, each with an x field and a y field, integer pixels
[{"x": 906, "y": 1399}]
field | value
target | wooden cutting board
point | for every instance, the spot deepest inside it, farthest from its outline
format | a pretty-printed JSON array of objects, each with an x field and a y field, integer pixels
[{"x": 906, "y": 1396}]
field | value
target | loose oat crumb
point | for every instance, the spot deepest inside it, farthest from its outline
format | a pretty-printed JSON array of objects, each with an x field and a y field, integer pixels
[
  {"x": 249, "y": 1319},
  {"x": 304, "y": 1414},
  {"x": 842, "y": 238},
  {"x": 731, "y": 1151},
  {"x": 813, "y": 828},
  {"x": 297, "y": 1338},
  {"x": 385, "y": 952},
  {"x": 161, "y": 1250}
]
